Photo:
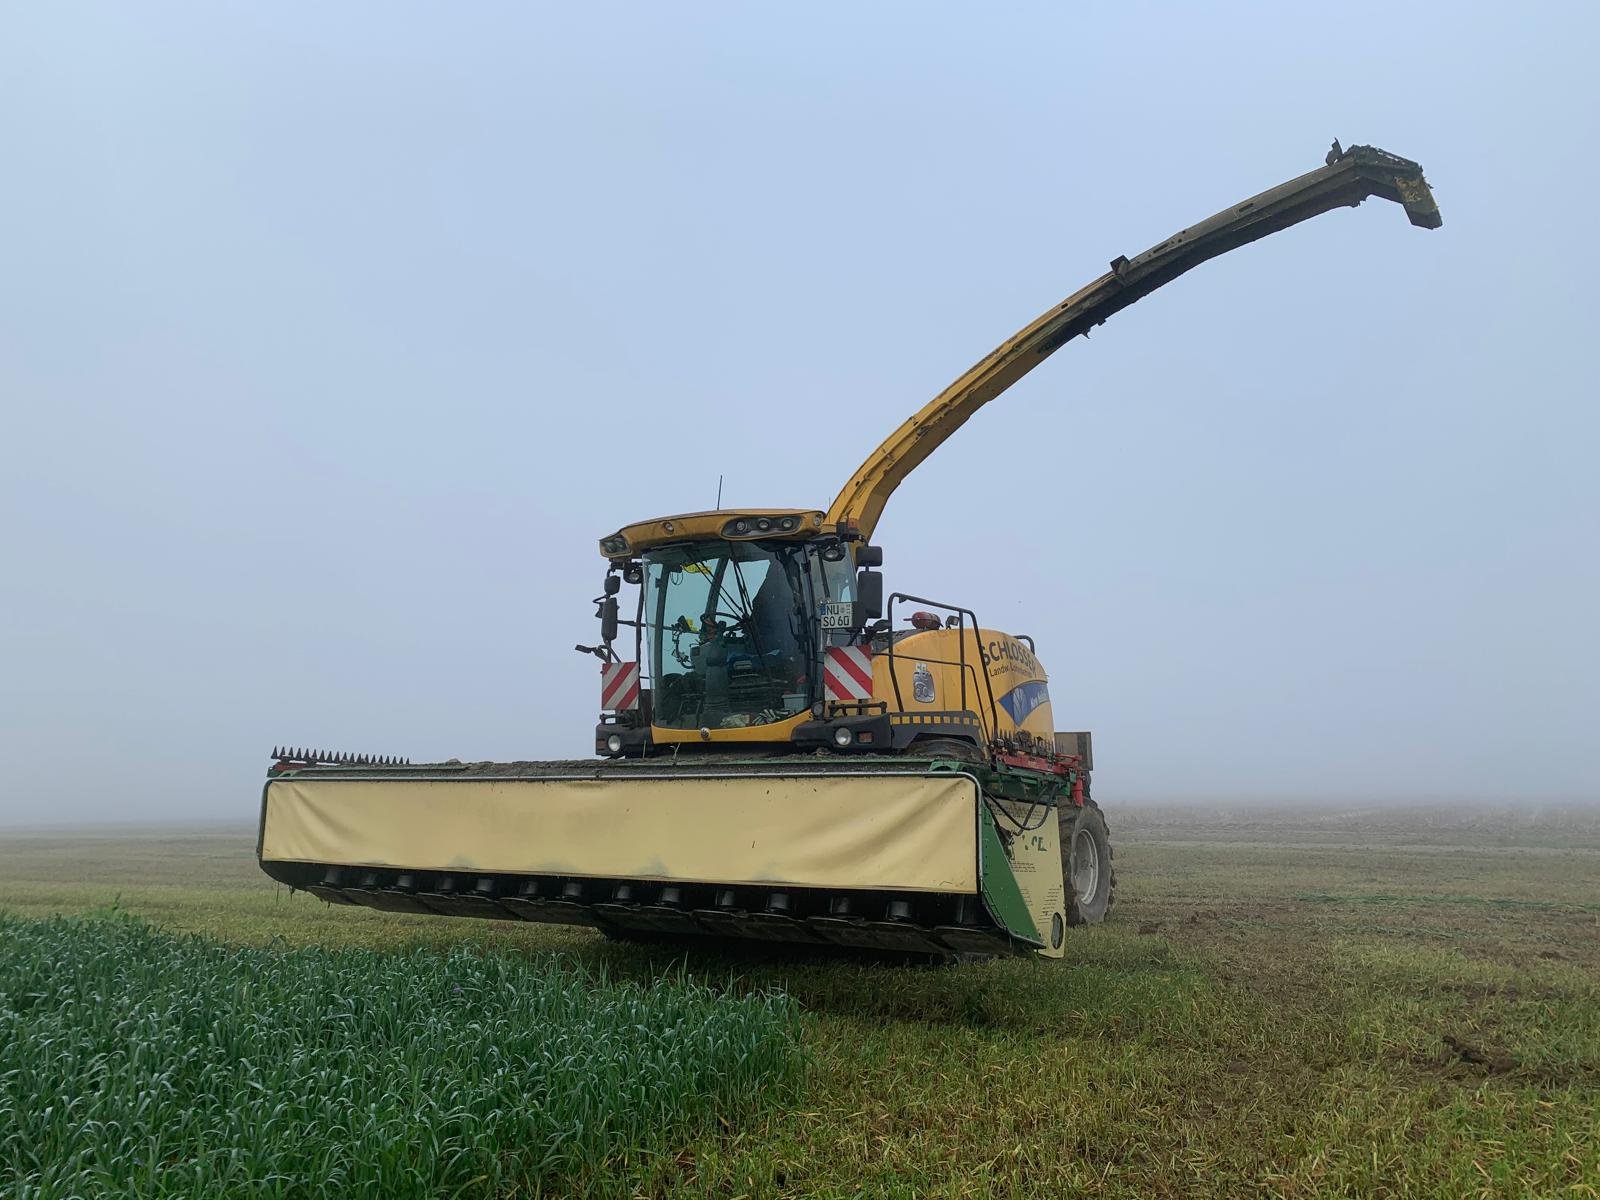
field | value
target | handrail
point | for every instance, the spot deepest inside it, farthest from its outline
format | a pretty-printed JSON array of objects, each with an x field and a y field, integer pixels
[
  {"x": 961, "y": 640},
  {"x": 965, "y": 667}
]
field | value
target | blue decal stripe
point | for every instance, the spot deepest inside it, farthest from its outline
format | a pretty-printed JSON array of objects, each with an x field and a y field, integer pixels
[{"x": 1024, "y": 698}]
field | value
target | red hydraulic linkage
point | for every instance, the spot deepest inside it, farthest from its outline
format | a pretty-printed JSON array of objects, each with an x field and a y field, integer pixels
[{"x": 1064, "y": 765}]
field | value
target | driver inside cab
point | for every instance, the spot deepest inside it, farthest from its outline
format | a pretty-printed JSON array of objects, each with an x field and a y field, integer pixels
[{"x": 756, "y": 648}]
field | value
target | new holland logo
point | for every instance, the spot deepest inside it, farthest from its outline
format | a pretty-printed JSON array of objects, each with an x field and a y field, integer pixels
[
  {"x": 922, "y": 684},
  {"x": 1024, "y": 698}
]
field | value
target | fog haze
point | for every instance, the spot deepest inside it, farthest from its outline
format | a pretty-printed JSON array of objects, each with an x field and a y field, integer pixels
[{"x": 333, "y": 337}]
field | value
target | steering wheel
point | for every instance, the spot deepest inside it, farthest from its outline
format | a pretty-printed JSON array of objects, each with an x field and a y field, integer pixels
[{"x": 735, "y": 620}]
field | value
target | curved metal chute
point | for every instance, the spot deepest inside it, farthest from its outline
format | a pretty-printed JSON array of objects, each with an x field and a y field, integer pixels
[{"x": 1349, "y": 177}]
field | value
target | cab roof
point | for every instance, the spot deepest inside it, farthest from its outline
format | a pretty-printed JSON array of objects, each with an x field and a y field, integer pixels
[{"x": 734, "y": 524}]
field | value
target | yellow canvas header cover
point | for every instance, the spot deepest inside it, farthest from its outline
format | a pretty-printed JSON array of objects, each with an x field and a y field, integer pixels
[{"x": 915, "y": 832}]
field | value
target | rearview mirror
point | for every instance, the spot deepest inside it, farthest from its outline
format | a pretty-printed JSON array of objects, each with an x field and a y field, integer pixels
[
  {"x": 608, "y": 619},
  {"x": 869, "y": 596}
]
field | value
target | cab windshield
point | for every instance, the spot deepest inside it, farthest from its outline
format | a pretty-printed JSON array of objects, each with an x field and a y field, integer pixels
[{"x": 729, "y": 631}]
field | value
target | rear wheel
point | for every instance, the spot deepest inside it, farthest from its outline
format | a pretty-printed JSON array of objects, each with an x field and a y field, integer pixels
[{"x": 1091, "y": 880}]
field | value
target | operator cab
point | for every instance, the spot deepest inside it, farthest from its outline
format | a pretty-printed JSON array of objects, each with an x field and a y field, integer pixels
[
  {"x": 731, "y": 629},
  {"x": 731, "y": 617}
]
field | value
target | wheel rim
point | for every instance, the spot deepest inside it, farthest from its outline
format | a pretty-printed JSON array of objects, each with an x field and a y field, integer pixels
[{"x": 1085, "y": 865}]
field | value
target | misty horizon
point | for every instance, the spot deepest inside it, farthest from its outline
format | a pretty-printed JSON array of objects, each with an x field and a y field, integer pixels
[{"x": 331, "y": 343}]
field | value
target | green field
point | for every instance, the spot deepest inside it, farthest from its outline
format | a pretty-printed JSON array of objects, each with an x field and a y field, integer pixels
[
  {"x": 176, "y": 1065},
  {"x": 1314, "y": 1003}
]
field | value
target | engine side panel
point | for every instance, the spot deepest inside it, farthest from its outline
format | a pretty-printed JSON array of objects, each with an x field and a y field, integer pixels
[{"x": 930, "y": 668}]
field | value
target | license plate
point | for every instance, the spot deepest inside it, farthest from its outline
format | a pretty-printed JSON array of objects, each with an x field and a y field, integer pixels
[{"x": 838, "y": 614}]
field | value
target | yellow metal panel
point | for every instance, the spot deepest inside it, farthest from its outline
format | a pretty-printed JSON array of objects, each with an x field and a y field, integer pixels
[
  {"x": 777, "y": 731},
  {"x": 905, "y": 833},
  {"x": 1005, "y": 660}
]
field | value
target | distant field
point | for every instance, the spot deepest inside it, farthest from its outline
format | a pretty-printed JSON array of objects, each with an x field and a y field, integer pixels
[{"x": 1372, "y": 1002}]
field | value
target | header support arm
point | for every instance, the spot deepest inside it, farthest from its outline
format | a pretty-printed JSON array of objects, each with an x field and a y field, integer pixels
[{"x": 1349, "y": 178}]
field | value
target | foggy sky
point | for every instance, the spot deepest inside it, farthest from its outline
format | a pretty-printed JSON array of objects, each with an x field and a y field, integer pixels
[{"x": 333, "y": 336}]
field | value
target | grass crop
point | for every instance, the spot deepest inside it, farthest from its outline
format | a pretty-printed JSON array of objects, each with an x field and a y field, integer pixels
[
  {"x": 138, "y": 1063},
  {"x": 1373, "y": 1002}
]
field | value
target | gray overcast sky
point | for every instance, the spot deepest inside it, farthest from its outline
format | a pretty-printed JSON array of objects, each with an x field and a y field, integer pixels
[{"x": 332, "y": 337}]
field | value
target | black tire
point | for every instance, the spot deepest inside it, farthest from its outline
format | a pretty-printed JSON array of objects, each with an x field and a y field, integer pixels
[{"x": 1092, "y": 903}]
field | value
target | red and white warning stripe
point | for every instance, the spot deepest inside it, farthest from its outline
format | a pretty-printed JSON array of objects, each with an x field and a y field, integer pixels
[
  {"x": 619, "y": 685},
  {"x": 847, "y": 673}
]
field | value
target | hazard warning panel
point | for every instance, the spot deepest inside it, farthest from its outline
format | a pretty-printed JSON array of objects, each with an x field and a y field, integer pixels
[
  {"x": 619, "y": 685},
  {"x": 847, "y": 673}
]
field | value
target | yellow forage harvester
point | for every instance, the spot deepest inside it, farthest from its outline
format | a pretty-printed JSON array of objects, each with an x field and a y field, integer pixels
[{"x": 785, "y": 753}]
